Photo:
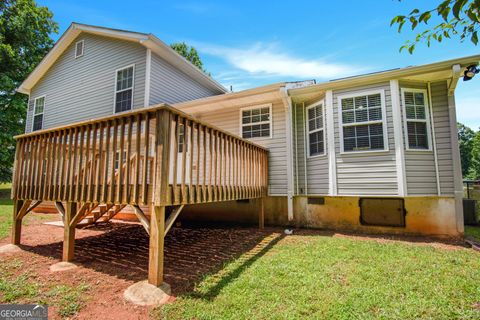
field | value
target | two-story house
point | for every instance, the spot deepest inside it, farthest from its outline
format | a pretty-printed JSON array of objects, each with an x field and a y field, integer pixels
[{"x": 375, "y": 152}]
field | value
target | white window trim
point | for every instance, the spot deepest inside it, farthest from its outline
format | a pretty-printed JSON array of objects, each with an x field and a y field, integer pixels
[
  {"x": 42, "y": 113},
  {"x": 427, "y": 119},
  {"x": 76, "y": 47},
  {"x": 269, "y": 105},
  {"x": 383, "y": 121},
  {"x": 115, "y": 88},
  {"x": 307, "y": 150}
]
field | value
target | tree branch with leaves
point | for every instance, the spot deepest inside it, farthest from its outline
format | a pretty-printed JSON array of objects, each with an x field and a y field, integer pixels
[{"x": 455, "y": 18}]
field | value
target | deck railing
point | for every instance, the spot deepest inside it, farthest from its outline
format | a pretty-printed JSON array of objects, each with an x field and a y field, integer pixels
[{"x": 156, "y": 155}]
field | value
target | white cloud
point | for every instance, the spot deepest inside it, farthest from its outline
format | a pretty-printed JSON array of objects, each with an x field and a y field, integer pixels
[{"x": 261, "y": 59}]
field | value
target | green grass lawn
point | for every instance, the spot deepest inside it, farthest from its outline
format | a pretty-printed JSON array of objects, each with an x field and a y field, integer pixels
[
  {"x": 6, "y": 207},
  {"x": 299, "y": 277},
  {"x": 322, "y": 277},
  {"x": 473, "y": 232}
]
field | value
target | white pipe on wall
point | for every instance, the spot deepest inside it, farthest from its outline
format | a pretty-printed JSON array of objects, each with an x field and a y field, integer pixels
[{"x": 434, "y": 140}]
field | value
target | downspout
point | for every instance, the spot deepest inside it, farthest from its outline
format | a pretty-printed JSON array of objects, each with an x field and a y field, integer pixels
[
  {"x": 305, "y": 149},
  {"x": 148, "y": 71},
  {"x": 287, "y": 102},
  {"x": 457, "y": 167},
  {"x": 434, "y": 139},
  {"x": 296, "y": 148}
]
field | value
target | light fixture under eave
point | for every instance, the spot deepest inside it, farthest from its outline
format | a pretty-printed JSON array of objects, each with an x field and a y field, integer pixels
[{"x": 470, "y": 72}]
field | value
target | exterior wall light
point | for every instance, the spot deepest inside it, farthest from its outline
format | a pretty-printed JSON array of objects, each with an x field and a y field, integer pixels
[{"x": 470, "y": 72}]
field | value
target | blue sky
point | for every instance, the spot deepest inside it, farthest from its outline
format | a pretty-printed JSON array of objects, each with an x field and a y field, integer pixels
[{"x": 251, "y": 43}]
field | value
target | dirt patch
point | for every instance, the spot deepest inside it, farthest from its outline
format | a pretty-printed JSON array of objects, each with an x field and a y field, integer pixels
[{"x": 113, "y": 256}]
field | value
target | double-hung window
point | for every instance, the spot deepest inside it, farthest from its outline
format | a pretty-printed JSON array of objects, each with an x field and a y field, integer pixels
[
  {"x": 124, "y": 89},
  {"x": 362, "y": 122},
  {"x": 256, "y": 122},
  {"x": 416, "y": 119},
  {"x": 316, "y": 131},
  {"x": 38, "y": 108}
]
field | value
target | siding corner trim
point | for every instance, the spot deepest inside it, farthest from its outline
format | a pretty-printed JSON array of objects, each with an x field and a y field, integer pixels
[{"x": 398, "y": 138}]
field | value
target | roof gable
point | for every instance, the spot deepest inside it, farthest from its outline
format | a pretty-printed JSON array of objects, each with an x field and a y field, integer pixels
[{"x": 147, "y": 40}]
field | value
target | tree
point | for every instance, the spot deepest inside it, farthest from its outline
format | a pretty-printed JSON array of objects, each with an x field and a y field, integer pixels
[
  {"x": 465, "y": 139},
  {"x": 474, "y": 170},
  {"x": 25, "y": 30},
  {"x": 455, "y": 18},
  {"x": 189, "y": 53}
]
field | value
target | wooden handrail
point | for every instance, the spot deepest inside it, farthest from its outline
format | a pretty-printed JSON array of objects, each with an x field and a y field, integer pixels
[{"x": 76, "y": 163}]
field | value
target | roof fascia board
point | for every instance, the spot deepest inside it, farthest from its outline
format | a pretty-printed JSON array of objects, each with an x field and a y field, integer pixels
[
  {"x": 147, "y": 40},
  {"x": 172, "y": 57},
  {"x": 229, "y": 98},
  {"x": 387, "y": 75}
]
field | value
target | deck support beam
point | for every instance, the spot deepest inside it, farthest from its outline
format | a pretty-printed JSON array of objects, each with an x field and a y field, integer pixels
[
  {"x": 69, "y": 231},
  {"x": 261, "y": 213},
  {"x": 142, "y": 218},
  {"x": 20, "y": 210},
  {"x": 17, "y": 223},
  {"x": 155, "y": 259},
  {"x": 173, "y": 216}
]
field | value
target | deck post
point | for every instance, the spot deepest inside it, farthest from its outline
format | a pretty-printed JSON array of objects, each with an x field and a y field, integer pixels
[
  {"x": 261, "y": 214},
  {"x": 69, "y": 231},
  {"x": 155, "y": 260},
  {"x": 16, "y": 223}
]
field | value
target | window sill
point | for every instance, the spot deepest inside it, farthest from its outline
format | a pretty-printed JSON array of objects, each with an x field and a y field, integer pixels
[
  {"x": 347, "y": 153},
  {"x": 317, "y": 156}
]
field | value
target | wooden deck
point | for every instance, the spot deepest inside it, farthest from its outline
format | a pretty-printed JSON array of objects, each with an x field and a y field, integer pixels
[{"x": 155, "y": 157}]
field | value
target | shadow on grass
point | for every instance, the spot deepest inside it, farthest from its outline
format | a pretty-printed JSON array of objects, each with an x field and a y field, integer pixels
[
  {"x": 191, "y": 252},
  {"x": 228, "y": 274}
]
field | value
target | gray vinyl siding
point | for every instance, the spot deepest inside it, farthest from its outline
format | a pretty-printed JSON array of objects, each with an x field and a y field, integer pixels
[
  {"x": 170, "y": 85},
  {"x": 316, "y": 180},
  {"x": 420, "y": 165},
  {"x": 443, "y": 134},
  {"x": 229, "y": 119},
  {"x": 82, "y": 88},
  {"x": 366, "y": 173}
]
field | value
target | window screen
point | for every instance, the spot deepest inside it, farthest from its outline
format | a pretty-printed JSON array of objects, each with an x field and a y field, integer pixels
[
  {"x": 124, "y": 90},
  {"x": 362, "y": 123},
  {"x": 415, "y": 108},
  {"x": 256, "y": 122},
  {"x": 315, "y": 125}
]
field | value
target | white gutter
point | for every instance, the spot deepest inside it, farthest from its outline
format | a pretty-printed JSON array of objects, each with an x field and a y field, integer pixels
[
  {"x": 305, "y": 150},
  {"x": 386, "y": 75},
  {"x": 457, "y": 166},
  {"x": 332, "y": 158},
  {"x": 148, "y": 68},
  {"x": 296, "y": 150},
  {"x": 434, "y": 138},
  {"x": 287, "y": 102},
  {"x": 398, "y": 137}
]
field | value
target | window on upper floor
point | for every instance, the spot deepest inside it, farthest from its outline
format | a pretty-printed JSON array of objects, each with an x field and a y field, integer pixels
[
  {"x": 256, "y": 122},
  {"x": 38, "y": 109},
  {"x": 316, "y": 131},
  {"x": 79, "y": 48},
  {"x": 416, "y": 119},
  {"x": 124, "y": 79},
  {"x": 362, "y": 122}
]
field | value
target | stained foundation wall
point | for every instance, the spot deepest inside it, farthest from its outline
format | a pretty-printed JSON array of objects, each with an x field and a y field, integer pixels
[{"x": 425, "y": 215}]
